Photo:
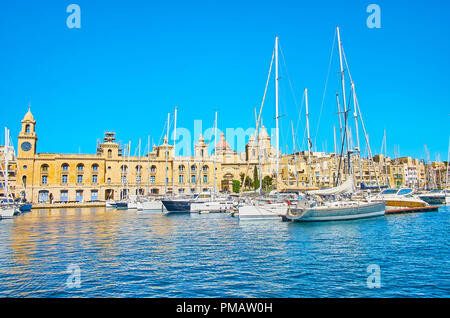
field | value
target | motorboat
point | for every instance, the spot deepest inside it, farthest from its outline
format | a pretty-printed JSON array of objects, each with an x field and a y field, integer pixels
[
  {"x": 182, "y": 204},
  {"x": 400, "y": 198},
  {"x": 436, "y": 197}
]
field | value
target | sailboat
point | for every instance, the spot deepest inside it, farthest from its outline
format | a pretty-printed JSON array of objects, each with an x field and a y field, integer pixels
[
  {"x": 266, "y": 207},
  {"x": 336, "y": 203},
  {"x": 333, "y": 205},
  {"x": 149, "y": 203},
  {"x": 216, "y": 204},
  {"x": 8, "y": 208}
]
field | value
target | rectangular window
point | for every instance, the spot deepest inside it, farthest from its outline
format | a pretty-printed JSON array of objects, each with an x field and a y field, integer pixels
[
  {"x": 94, "y": 195},
  {"x": 152, "y": 179},
  {"x": 138, "y": 179},
  {"x": 64, "y": 196},
  {"x": 180, "y": 179},
  {"x": 94, "y": 178},
  {"x": 80, "y": 178},
  {"x": 44, "y": 179},
  {"x": 64, "y": 178},
  {"x": 205, "y": 178},
  {"x": 124, "y": 179},
  {"x": 193, "y": 178},
  {"x": 79, "y": 195}
]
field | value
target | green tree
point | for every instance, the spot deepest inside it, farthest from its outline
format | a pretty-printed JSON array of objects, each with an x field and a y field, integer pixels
[
  {"x": 236, "y": 186},
  {"x": 248, "y": 181},
  {"x": 255, "y": 178},
  {"x": 267, "y": 183}
]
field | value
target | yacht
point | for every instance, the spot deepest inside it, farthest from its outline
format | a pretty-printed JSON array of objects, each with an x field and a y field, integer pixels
[
  {"x": 334, "y": 204},
  {"x": 400, "y": 198},
  {"x": 183, "y": 204},
  {"x": 150, "y": 204},
  {"x": 437, "y": 196}
]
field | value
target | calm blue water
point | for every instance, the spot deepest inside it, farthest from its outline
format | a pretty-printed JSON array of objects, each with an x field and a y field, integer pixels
[{"x": 132, "y": 254}]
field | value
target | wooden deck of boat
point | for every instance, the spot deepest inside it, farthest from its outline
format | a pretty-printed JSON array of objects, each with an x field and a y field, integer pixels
[{"x": 413, "y": 210}]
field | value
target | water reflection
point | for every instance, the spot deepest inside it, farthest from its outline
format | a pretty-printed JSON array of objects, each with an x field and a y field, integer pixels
[{"x": 131, "y": 254}]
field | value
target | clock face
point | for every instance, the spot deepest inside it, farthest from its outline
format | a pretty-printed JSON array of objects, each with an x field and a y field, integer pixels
[{"x": 26, "y": 146}]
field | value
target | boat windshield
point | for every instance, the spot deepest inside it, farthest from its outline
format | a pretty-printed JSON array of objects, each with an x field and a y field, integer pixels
[
  {"x": 404, "y": 191},
  {"x": 389, "y": 191},
  {"x": 435, "y": 191}
]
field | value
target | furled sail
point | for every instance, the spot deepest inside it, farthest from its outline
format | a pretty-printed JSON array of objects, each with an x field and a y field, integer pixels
[{"x": 346, "y": 187}]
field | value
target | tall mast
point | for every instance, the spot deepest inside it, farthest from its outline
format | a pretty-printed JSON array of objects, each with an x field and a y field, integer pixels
[
  {"x": 385, "y": 159},
  {"x": 309, "y": 139},
  {"x": 167, "y": 152},
  {"x": 448, "y": 159},
  {"x": 215, "y": 154},
  {"x": 140, "y": 170},
  {"x": 335, "y": 152},
  {"x": 358, "y": 150},
  {"x": 339, "y": 114},
  {"x": 122, "y": 182},
  {"x": 5, "y": 153},
  {"x": 276, "y": 109},
  {"x": 128, "y": 168},
  {"x": 173, "y": 157},
  {"x": 295, "y": 153},
  {"x": 148, "y": 165},
  {"x": 342, "y": 78}
]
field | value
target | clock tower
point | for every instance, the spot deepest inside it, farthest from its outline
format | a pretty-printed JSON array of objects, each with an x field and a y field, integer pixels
[{"x": 27, "y": 137}]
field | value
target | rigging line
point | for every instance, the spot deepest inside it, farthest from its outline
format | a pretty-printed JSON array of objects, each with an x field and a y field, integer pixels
[
  {"x": 326, "y": 84},
  {"x": 289, "y": 79},
  {"x": 292, "y": 90},
  {"x": 258, "y": 121}
]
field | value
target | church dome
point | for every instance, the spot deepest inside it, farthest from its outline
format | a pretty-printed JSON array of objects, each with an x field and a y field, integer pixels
[{"x": 223, "y": 144}]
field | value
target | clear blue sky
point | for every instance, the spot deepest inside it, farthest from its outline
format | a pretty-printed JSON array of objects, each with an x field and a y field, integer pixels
[{"x": 133, "y": 61}]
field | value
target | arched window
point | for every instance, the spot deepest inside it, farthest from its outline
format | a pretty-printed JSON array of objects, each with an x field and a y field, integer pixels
[
  {"x": 153, "y": 169},
  {"x": 95, "y": 167},
  {"x": 205, "y": 168},
  {"x": 193, "y": 168},
  {"x": 24, "y": 181},
  {"x": 109, "y": 153},
  {"x": 123, "y": 168},
  {"x": 65, "y": 167},
  {"x": 80, "y": 167},
  {"x": 138, "y": 169},
  {"x": 27, "y": 129},
  {"x": 181, "y": 168},
  {"x": 44, "y": 168}
]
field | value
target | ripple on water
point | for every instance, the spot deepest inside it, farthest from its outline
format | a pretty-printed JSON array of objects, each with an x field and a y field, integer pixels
[{"x": 130, "y": 254}]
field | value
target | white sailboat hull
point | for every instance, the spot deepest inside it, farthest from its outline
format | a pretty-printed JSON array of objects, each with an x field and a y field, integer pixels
[
  {"x": 349, "y": 211},
  {"x": 213, "y": 206},
  {"x": 262, "y": 212},
  {"x": 7, "y": 212},
  {"x": 132, "y": 205},
  {"x": 155, "y": 205}
]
